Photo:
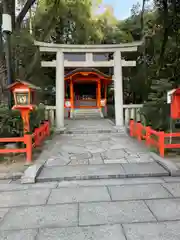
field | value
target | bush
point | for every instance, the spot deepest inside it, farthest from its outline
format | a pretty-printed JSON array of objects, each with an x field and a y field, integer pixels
[
  {"x": 157, "y": 115},
  {"x": 37, "y": 117},
  {"x": 11, "y": 124}
]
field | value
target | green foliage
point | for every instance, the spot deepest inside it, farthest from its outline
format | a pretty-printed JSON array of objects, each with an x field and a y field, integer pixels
[
  {"x": 156, "y": 114},
  {"x": 11, "y": 124},
  {"x": 37, "y": 116},
  {"x": 75, "y": 22}
]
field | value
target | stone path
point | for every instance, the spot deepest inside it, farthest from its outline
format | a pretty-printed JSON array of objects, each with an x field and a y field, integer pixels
[
  {"x": 102, "y": 209},
  {"x": 96, "y": 149},
  {"x": 116, "y": 209}
]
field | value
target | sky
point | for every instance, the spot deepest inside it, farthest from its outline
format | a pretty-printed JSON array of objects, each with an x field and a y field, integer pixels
[{"x": 122, "y": 8}]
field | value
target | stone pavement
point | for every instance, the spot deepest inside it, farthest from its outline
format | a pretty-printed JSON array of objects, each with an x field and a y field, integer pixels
[
  {"x": 124, "y": 208},
  {"x": 116, "y": 209},
  {"x": 92, "y": 149}
]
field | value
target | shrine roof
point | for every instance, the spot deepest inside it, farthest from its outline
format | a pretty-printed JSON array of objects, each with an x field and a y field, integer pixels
[
  {"x": 27, "y": 84},
  {"x": 87, "y": 70}
]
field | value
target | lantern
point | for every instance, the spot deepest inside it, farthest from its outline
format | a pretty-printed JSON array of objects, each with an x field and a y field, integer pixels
[{"x": 24, "y": 99}]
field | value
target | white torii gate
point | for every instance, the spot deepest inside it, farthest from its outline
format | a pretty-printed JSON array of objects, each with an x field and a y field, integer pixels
[{"x": 60, "y": 63}]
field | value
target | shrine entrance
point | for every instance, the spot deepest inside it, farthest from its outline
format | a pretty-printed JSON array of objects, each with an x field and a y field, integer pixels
[
  {"x": 86, "y": 88},
  {"x": 90, "y": 52},
  {"x": 85, "y": 95}
]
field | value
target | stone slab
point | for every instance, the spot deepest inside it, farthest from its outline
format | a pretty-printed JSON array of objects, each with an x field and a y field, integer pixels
[
  {"x": 96, "y": 159},
  {"x": 79, "y": 162},
  {"x": 18, "y": 235},
  {"x": 173, "y": 188},
  {"x": 78, "y": 194},
  {"x": 57, "y": 161},
  {"x": 113, "y": 232},
  {"x": 24, "y": 198},
  {"x": 114, "y": 154},
  {"x": 81, "y": 156},
  {"x": 81, "y": 172},
  {"x": 43, "y": 185},
  {"x": 140, "y": 158},
  {"x": 135, "y": 192},
  {"x": 173, "y": 169},
  {"x": 171, "y": 179},
  {"x": 72, "y": 149},
  {"x": 113, "y": 212},
  {"x": 3, "y": 212},
  {"x": 13, "y": 187},
  {"x": 153, "y": 231},
  {"x": 5, "y": 181},
  {"x": 41, "y": 217},
  {"x": 144, "y": 169},
  {"x": 110, "y": 182},
  {"x": 165, "y": 209},
  {"x": 110, "y": 161},
  {"x": 17, "y": 186}
]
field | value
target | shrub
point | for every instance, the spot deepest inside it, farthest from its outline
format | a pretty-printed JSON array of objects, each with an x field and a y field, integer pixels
[
  {"x": 37, "y": 117},
  {"x": 157, "y": 115},
  {"x": 11, "y": 124}
]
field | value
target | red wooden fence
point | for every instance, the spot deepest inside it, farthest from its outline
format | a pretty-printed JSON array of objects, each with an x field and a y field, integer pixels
[
  {"x": 30, "y": 140},
  {"x": 152, "y": 137}
]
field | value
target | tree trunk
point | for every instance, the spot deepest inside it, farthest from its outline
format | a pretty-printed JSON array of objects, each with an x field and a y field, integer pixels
[{"x": 3, "y": 84}]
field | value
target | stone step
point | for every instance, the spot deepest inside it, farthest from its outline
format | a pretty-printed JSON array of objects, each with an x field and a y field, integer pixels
[
  {"x": 101, "y": 171},
  {"x": 91, "y": 131},
  {"x": 87, "y": 114}
]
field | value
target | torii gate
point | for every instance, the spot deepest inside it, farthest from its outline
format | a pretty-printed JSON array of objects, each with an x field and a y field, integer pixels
[{"x": 60, "y": 63}]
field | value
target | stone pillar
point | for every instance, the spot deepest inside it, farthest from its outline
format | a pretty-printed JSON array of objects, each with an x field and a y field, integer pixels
[
  {"x": 60, "y": 90},
  {"x": 89, "y": 57},
  {"x": 118, "y": 89}
]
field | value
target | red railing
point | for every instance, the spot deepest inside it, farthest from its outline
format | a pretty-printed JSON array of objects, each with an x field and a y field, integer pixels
[
  {"x": 30, "y": 140},
  {"x": 152, "y": 137}
]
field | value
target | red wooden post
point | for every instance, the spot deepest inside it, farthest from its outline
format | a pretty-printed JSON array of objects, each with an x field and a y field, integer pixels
[
  {"x": 35, "y": 137},
  {"x": 28, "y": 142},
  {"x": 131, "y": 127},
  {"x": 139, "y": 130},
  {"x": 161, "y": 144},
  {"x": 148, "y": 135}
]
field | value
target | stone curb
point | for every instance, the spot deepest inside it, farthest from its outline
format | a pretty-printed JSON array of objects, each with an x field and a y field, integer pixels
[
  {"x": 102, "y": 177},
  {"x": 31, "y": 173},
  {"x": 168, "y": 165},
  {"x": 11, "y": 176}
]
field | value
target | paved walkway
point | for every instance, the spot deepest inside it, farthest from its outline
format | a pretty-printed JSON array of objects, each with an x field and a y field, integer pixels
[
  {"x": 103, "y": 209},
  {"x": 116, "y": 209},
  {"x": 96, "y": 149}
]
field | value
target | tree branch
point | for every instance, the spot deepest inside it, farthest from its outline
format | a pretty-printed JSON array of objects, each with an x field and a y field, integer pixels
[
  {"x": 23, "y": 12},
  {"x": 142, "y": 18}
]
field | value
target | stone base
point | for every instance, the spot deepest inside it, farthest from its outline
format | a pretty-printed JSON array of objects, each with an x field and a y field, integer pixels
[{"x": 60, "y": 130}]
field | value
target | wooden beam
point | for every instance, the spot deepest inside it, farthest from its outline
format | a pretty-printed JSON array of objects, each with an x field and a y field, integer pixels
[
  {"x": 88, "y": 64},
  {"x": 48, "y": 63},
  {"x": 85, "y": 47},
  {"x": 128, "y": 63},
  {"x": 88, "y": 50}
]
